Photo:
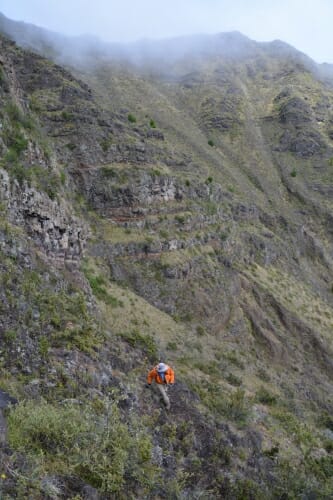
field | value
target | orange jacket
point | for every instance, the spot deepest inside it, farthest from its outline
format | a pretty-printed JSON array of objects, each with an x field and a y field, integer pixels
[{"x": 154, "y": 375}]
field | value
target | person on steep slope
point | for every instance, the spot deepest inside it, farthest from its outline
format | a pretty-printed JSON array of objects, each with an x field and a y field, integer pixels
[{"x": 164, "y": 376}]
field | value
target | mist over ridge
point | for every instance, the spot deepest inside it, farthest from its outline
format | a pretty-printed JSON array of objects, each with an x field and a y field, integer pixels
[{"x": 90, "y": 49}]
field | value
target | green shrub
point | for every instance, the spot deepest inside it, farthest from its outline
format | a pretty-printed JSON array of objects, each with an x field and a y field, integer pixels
[
  {"x": 313, "y": 478},
  {"x": 85, "y": 338},
  {"x": 246, "y": 489},
  {"x": 152, "y": 124},
  {"x": 106, "y": 143},
  {"x": 17, "y": 144},
  {"x": 98, "y": 447},
  {"x": 211, "y": 207},
  {"x": 44, "y": 346},
  {"x": 328, "y": 446},
  {"x": 20, "y": 173},
  {"x": 18, "y": 118},
  {"x": 263, "y": 375},
  {"x": 63, "y": 177},
  {"x": 265, "y": 397},
  {"x": 114, "y": 302},
  {"x": 289, "y": 482},
  {"x": 180, "y": 219},
  {"x": 156, "y": 172},
  {"x": 326, "y": 420},
  {"x": 131, "y": 118},
  {"x": 35, "y": 104},
  {"x": 233, "y": 380},
  {"x": 14, "y": 113},
  {"x": 200, "y": 330},
  {"x": 236, "y": 406},
  {"x": 145, "y": 342},
  {"x": 163, "y": 233},
  {"x": 10, "y": 158},
  {"x": 233, "y": 357},
  {"x": 98, "y": 286},
  {"x": 45, "y": 180},
  {"x": 211, "y": 143},
  {"x": 28, "y": 123},
  {"x": 172, "y": 346},
  {"x": 210, "y": 368},
  {"x": 321, "y": 468},
  {"x": 108, "y": 172},
  {"x": 45, "y": 428},
  {"x": 67, "y": 116},
  {"x": 209, "y": 180},
  {"x": 298, "y": 430},
  {"x": 271, "y": 452},
  {"x": 10, "y": 335},
  {"x": 2, "y": 76},
  {"x": 293, "y": 173}
]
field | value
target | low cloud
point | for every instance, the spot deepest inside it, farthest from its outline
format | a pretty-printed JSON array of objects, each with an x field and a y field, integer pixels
[{"x": 302, "y": 23}]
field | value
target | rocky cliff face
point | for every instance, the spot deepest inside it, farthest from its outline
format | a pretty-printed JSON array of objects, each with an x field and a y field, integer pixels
[
  {"x": 50, "y": 223},
  {"x": 181, "y": 214}
]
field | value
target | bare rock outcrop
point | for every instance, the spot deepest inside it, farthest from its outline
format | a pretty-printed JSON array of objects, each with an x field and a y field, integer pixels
[{"x": 50, "y": 223}]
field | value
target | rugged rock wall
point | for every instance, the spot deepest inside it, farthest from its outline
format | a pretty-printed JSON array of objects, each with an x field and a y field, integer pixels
[{"x": 49, "y": 223}]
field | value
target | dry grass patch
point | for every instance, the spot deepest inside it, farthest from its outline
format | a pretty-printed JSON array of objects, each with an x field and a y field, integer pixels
[
  {"x": 136, "y": 315},
  {"x": 297, "y": 297}
]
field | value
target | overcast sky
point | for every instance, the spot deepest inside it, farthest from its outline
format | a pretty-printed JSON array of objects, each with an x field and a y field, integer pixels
[{"x": 305, "y": 24}]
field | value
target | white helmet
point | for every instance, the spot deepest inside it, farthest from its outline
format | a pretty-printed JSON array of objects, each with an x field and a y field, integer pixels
[{"x": 162, "y": 367}]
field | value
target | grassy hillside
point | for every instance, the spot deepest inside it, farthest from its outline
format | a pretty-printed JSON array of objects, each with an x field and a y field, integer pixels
[{"x": 178, "y": 212}]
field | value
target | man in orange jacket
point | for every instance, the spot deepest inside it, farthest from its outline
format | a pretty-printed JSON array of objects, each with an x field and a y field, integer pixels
[{"x": 163, "y": 376}]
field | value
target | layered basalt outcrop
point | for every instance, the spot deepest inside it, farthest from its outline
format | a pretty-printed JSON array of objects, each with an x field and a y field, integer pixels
[{"x": 48, "y": 222}]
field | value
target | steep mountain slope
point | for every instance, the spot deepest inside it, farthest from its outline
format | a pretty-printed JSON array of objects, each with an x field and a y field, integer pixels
[{"x": 178, "y": 211}]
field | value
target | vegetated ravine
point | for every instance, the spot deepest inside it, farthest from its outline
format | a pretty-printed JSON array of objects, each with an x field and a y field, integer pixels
[{"x": 179, "y": 211}]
